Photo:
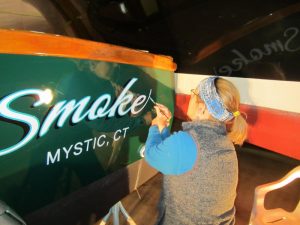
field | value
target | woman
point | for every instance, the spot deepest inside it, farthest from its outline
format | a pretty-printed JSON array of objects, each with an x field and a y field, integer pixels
[{"x": 199, "y": 163}]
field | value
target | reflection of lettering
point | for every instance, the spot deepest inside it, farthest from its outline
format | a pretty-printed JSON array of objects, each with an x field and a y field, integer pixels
[
  {"x": 68, "y": 110},
  {"x": 294, "y": 31},
  {"x": 257, "y": 54},
  {"x": 83, "y": 146}
]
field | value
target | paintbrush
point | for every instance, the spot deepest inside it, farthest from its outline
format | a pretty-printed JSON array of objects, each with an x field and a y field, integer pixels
[{"x": 155, "y": 103}]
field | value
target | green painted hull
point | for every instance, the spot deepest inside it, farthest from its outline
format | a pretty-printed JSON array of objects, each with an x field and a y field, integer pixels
[{"x": 50, "y": 167}]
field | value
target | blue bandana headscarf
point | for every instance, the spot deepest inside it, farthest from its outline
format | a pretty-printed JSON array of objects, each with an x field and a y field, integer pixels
[{"x": 212, "y": 100}]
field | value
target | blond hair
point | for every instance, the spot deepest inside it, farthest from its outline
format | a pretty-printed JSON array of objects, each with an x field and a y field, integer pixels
[{"x": 237, "y": 127}]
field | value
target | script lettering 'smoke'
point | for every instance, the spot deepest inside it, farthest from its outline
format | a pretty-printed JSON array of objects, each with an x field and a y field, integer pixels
[{"x": 62, "y": 110}]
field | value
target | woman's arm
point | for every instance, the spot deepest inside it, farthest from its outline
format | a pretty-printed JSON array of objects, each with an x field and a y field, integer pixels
[{"x": 172, "y": 155}]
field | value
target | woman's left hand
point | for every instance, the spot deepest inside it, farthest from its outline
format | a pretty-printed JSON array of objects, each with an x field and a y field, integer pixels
[{"x": 163, "y": 117}]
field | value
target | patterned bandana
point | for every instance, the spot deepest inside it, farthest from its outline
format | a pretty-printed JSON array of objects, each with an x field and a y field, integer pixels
[{"x": 212, "y": 100}]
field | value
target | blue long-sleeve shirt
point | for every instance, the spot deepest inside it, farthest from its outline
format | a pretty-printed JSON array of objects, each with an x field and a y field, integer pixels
[{"x": 170, "y": 154}]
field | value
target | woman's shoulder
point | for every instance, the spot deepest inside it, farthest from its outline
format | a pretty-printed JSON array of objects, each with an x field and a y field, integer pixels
[
  {"x": 182, "y": 141},
  {"x": 182, "y": 136},
  {"x": 186, "y": 151}
]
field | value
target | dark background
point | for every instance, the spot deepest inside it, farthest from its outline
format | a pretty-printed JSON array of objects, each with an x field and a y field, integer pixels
[
  {"x": 203, "y": 37},
  {"x": 185, "y": 28}
]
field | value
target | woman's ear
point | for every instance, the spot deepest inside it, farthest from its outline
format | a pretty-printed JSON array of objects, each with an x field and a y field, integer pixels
[
  {"x": 200, "y": 111},
  {"x": 201, "y": 108},
  {"x": 203, "y": 113}
]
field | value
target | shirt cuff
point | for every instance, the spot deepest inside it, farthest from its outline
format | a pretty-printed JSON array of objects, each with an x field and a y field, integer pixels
[
  {"x": 165, "y": 133},
  {"x": 154, "y": 130}
]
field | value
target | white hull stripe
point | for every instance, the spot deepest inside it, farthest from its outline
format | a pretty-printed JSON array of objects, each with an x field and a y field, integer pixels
[{"x": 281, "y": 95}]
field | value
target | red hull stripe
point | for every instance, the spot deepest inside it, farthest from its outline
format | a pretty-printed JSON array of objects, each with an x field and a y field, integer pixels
[{"x": 272, "y": 129}]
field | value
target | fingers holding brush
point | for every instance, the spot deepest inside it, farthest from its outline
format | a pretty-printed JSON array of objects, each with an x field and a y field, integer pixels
[
  {"x": 164, "y": 111},
  {"x": 163, "y": 116}
]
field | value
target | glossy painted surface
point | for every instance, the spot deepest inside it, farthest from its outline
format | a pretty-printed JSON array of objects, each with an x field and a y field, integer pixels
[{"x": 66, "y": 158}]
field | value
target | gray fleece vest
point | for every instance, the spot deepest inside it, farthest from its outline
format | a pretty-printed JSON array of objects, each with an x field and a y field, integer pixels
[{"x": 206, "y": 194}]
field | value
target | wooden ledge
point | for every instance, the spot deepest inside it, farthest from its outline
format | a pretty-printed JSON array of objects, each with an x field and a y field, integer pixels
[{"x": 34, "y": 43}]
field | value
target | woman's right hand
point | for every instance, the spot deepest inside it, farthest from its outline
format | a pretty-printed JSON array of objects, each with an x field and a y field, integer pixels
[{"x": 163, "y": 116}]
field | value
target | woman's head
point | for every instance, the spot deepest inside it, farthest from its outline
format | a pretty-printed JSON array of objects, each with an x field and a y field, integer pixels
[{"x": 216, "y": 98}]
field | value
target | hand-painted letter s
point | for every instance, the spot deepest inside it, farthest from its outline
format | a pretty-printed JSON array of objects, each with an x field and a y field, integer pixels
[{"x": 31, "y": 121}]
